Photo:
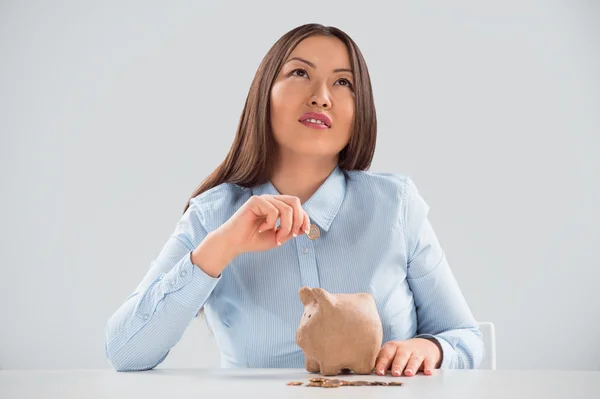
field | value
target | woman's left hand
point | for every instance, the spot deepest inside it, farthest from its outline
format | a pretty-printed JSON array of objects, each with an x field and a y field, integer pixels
[{"x": 409, "y": 356}]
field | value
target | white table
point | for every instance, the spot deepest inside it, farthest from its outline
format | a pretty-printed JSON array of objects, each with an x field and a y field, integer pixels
[{"x": 271, "y": 383}]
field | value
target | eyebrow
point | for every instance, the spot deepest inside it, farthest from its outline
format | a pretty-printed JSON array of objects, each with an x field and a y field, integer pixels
[{"x": 314, "y": 66}]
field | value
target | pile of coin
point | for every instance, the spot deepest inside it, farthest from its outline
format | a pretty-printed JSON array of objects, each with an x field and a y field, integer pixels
[{"x": 336, "y": 383}]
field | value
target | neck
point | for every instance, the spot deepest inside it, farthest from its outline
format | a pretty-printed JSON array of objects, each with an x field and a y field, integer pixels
[{"x": 300, "y": 176}]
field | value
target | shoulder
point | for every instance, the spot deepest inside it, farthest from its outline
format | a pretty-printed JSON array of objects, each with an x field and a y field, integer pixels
[
  {"x": 397, "y": 184},
  {"x": 222, "y": 195},
  {"x": 397, "y": 193},
  {"x": 216, "y": 205}
]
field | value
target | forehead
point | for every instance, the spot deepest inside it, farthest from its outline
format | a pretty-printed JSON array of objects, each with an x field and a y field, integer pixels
[{"x": 323, "y": 50}]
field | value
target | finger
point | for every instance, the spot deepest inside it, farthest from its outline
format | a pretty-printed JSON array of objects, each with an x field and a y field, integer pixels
[
  {"x": 385, "y": 358},
  {"x": 428, "y": 366},
  {"x": 263, "y": 208},
  {"x": 284, "y": 239},
  {"x": 400, "y": 361},
  {"x": 414, "y": 363},
  {"x": 285, "y": 218},
  {"x": 306, "y": 225},
  {"x": 298, "y": 212}
]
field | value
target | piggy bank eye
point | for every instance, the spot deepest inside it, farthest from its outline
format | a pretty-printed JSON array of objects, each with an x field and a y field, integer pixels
[{"x": 309, "y": 316}]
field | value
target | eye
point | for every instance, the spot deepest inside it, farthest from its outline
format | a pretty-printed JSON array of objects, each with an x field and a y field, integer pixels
[
  {"x": 345, "y": 82},
  {"x": 299, "y": 72}
]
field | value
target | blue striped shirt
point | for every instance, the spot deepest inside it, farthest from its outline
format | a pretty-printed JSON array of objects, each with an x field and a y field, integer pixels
[{"x": 375, "y": 238}]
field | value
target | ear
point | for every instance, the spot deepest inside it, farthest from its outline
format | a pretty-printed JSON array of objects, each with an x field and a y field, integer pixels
[
  {"x": 323, "y": 297},
  {"x": 306, "y": 296}
]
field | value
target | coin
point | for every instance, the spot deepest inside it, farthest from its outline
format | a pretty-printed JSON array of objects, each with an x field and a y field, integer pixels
[
  {"x": 336, "y": 383},
  {"x": 332, "y": 384},
  {"x": 395, "y": 384},
  {"x": 314, "y": 232}
]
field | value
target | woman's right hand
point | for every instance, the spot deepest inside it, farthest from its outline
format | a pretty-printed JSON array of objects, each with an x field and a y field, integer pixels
[{"x": 252, "y": 227}]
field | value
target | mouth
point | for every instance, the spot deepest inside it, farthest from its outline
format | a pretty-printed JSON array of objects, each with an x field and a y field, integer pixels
[{"x": 315, "y": 120}]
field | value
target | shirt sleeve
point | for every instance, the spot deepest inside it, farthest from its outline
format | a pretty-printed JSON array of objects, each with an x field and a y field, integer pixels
[
  {"x": 442, "y": 311},
  {"x": 153, "y": 318}
]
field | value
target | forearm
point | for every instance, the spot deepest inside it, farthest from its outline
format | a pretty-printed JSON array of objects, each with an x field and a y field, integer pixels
[
  {"x": 442, "y": 310},
  {"x": 142, "y": 331},
  {"x": 460, "y": 348},
  {"x": 443, "y": 313}
]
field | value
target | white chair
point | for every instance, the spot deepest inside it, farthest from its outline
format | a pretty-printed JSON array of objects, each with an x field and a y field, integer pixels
[{"x": 488, "y": 334}]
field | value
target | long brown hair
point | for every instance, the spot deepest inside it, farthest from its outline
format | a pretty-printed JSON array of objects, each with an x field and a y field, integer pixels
[{"x": 248, "y": 163}]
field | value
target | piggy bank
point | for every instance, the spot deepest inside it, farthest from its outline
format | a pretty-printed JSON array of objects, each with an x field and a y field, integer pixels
[{"x": 339, "y": 332}]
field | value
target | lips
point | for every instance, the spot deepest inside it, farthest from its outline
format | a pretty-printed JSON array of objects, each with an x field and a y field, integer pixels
[{"x": 317, "y": 116}]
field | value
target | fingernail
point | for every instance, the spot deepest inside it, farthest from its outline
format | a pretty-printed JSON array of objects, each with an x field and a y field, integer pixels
[
  {"x": 428, "y": 371},
  {"x": 408, "y": 371},
  {"x": 295, "y": 235},
  {"x": 278, "y": 242},
  {"x": 260, "y": 231},
  {"x": 396, "y": 372},
  {"x": 380, "y": 371}
]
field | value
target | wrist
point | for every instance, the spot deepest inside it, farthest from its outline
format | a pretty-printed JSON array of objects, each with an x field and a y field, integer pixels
[
  {"x": 213, "y": 254},
  {"x": 439, "y": 348},
  {"x": 219, "y": 239}
]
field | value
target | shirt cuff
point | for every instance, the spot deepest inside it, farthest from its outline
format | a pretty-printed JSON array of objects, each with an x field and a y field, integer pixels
[
  {"x": 188, "y": 284},
  {"x": 447, "y": 351}
]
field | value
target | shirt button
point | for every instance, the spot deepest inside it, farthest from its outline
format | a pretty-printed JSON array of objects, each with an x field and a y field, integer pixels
[
  {"x": 183, "y": 273},
  {"x": 171, "y": 282},
  {"x": 145, "y": 316},
  {"x": 304, "y": 251}
]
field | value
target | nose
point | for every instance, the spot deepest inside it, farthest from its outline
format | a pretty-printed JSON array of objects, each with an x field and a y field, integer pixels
[{"x": 320, "y": 99}]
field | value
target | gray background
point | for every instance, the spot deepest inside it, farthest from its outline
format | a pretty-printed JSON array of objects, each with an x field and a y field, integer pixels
[{"x": 112, "y": 113}]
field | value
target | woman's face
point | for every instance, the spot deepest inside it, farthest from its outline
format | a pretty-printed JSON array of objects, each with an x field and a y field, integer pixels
[{"x": 315, "y": 83}]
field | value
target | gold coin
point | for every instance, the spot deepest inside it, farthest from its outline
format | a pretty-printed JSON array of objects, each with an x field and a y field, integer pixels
[
  {"x": 395, "y": 384},
  {"x": 359, "y": 383},
  {"x": 314, "y": 232},
  {"x": 318, "y": 379},
  {"x": 380, "y": 383},
  {"x": 295, "y": 383},
  {"x": 332, "y": 384}
]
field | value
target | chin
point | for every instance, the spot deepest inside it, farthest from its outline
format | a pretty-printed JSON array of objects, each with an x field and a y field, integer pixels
[{"x": 311, "y": 150}]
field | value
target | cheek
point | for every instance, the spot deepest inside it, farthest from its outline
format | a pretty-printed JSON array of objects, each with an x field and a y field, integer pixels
[
  {"x": 284, "y": 95},
  {"x": 275, "y": 100},
  {"x": 280, "y": 106},
  {"x": 345, "y": 112}
]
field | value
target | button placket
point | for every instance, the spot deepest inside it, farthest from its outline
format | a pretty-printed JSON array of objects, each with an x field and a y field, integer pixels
[{"x": 307, "y": 261}]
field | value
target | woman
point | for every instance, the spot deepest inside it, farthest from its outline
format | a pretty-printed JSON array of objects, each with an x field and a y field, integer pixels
[{"x": 292, "y": 205}]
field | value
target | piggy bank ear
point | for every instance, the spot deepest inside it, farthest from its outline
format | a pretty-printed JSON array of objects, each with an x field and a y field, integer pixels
[
  {"x": 323, "y": 297},
  {"x": 306, "y": 296}
]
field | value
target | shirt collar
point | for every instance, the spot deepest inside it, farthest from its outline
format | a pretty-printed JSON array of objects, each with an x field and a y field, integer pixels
[{"x": 324, "y": 204}]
